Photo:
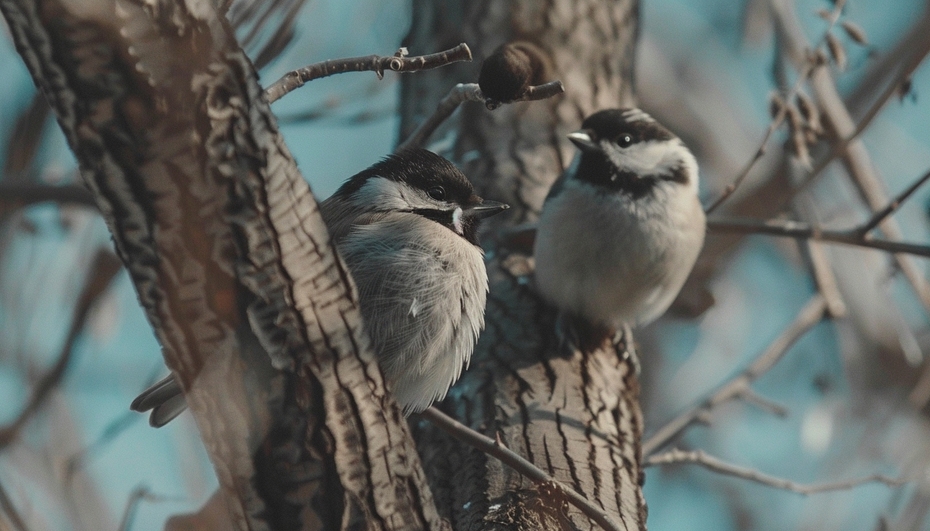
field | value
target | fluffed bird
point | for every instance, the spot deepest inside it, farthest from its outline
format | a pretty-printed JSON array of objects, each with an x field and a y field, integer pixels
[
  {"x": 622, "y": 228},
  {"x": 407, "y": 228}
]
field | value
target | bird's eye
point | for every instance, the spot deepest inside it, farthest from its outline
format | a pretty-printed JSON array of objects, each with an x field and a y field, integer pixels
[
  {"x": 625, "y": 140},
  {"x": 437, "y": 192}
]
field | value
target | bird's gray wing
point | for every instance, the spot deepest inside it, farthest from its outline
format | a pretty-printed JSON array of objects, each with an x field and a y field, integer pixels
[
  {"x": 164, "y": 399},
  {"x": 411, "y": 296}
]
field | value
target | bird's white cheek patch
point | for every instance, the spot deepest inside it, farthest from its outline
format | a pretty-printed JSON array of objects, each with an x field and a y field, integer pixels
[{"x": 457, "y": 220}]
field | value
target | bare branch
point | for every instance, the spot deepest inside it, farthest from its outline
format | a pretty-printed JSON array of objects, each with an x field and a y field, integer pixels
[
  {"x": 840, "y": 145},
  {"x": 892, "y": 206},
  {"x": 399, "y": 62},
  {"x": 101, "y": 272},
  {"x": 806, "y": 231},
  {"x": 765, "y": 404},
  {"x": 735, "y": 388},
  {"x": 518, "y": 463},
  {"x": 21, "y": 194},
  {"x": 463, "y": 92},
  {"x": 699, "y": 457},
  {"x": 7, "y": 508},
  {"x": 458, "y": 95},
  {"x": 112, "y": 430},
  {"x": 544, "y": 91},
  {"x": 891, "y": 69},
  {"x": 533, "y": 93},
  {"x": 825, "y": 279},
  {"x": 855, "y": 155},
  {"x": 137, "y": 496},
  {"x": 804, "y": 73}
]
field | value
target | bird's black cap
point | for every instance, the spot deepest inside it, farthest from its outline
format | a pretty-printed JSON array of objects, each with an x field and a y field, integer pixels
[
  {"x": 420, "y": 169},
  {"x": 623, "y": 127},
  {"x": 611, "y": 123}
]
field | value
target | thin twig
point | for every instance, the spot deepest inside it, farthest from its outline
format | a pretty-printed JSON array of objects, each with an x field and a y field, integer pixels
[
  {"x": 7, "y": 508},
  {"x": 129, "y": 512},
  {"x": 518, "y": 463},
  {"x": 112, "y": 430},
  {"x": 809, "y": 316},
  {"x": 806, "y": 231},
  {"x": 765, "y": 404},
  {"x": 856, "y": 156},
  {"x": 399, "y": 62},
  {"x": 779, "y": 118},
  {"x": 463, "y": 92},
  {"x": 840, "y": 145},
  {"x": 541, "y": 92},
  {"x": 533, "y": 93},
  {"x": 459, "y": 94},
  {"x": 825, "y": 278},
  {"x": 892, "y": 206},
  {"x": 819, "y": 262},
  {"x": 760, "y": 151},
  {"x": 902, "y": 58},
  {"x": 137, "y": 496},
  {"x": 699, "y": 457},
  {"x": 102, "y": 270}
]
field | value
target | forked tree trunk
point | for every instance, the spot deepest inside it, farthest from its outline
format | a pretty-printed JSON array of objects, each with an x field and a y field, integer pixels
[
  {"x": 230, "y": 259},
  {"x": 574, "y": 414}
]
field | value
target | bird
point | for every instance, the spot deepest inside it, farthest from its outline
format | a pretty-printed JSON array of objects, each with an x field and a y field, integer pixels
[
  {"x": 407, "y": 229},
  {"x": 622, "y": 227}
]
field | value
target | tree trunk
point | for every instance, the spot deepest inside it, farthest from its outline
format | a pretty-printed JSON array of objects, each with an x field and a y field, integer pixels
[
  {"x": 231, "y": 261},
  {"x": 574, "y": 414}
]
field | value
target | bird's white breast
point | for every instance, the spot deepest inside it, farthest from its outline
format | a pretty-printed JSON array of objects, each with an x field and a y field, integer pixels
[
  {"x": 422, "y": 290},
  {"x": 613, "y": 259}
]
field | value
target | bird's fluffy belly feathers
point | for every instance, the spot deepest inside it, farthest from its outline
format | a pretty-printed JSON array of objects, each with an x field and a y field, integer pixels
[
  {"x": 611, "y": 260},
  {"x": 412, "y": 274}
]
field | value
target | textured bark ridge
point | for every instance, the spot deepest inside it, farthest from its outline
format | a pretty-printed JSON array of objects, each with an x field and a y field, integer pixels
[
  {"x": 573, "y": 414},
  {"x": 231, "y": 261}
]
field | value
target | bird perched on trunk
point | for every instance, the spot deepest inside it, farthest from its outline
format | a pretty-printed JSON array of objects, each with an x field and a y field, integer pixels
[
  {"x": 407, "y": 228},
  {"x": 622, "y": 228}
]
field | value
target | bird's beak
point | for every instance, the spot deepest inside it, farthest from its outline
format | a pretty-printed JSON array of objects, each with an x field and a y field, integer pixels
[
  {"x": 486, "y": 209},
  {"x": 584, "y": 139}
]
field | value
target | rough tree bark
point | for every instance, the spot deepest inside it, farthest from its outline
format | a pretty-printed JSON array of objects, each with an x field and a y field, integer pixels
[
  {"x": 230, "y": 259},
  {"x": 574, "y": 414}
]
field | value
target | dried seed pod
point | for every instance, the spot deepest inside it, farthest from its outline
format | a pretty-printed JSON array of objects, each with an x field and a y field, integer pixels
[
  {"x": 836, "y": 51},
  {"x": 855, "y": 32},
  {"x": 511, "y": 69},
  {"x": 810, "y": 112},
  {"x": 825, "y": 14}
]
